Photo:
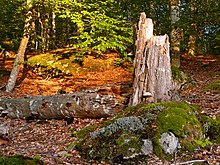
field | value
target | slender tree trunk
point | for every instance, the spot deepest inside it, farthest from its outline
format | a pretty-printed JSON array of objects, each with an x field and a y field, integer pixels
[
  {"x": 67, "y": 33},
  {"x": 33, "y": 34},
  {"x": 53, "y": 30},
  {"x": 192, "y": 37},
  {"x": 23, "y": 45},
  {"x": 43, "y": 41},
  {"x": 47, "y": 31},
  {"x": 175, "y": 33}
]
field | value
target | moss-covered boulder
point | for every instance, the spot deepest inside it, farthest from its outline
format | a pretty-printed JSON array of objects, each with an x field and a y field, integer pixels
[
  {"x": 131, "y": 133},
  {"x": 20, "y": 160}
]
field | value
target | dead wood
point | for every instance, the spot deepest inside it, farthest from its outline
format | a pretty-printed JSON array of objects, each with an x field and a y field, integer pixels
[{"x": 90, "y": 103}]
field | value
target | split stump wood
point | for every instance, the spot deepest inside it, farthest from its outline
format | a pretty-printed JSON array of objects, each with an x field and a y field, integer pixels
[{"x": 152, "y": 75}]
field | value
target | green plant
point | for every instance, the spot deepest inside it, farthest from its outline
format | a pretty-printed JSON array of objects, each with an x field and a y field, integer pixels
[
  {"x": 20, "y": 160},
  {"x": 79, "y": 58},
  {"x": 123, "y": 62},
  {"x": 213, "y": 86},
  {"x": 98, "y": 30},
  {"x": 203, "y": 143},
  {"x": 177, "y": 74}
]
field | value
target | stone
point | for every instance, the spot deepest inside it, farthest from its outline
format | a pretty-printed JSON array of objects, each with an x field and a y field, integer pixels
[
  {"x": 147, "y": 147},
  {"x": 169, "y": 142}
]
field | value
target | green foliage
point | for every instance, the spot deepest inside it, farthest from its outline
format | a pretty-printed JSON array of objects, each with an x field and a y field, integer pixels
[
  {"x": 12, "y": 30},
  {"x": 123, "y": 62},
  {"x": 211, "y": 128},
  {"x": 97, "y": 30},
  {"x": 20, "y": 160},
  {"x": 97, "y": 26},
  {"x": 213, "y": 86},
  {"x": 178, "y": 74},
  {"x": 204, "y": 143}
]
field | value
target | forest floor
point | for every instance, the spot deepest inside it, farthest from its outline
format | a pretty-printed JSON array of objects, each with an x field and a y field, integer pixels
[{"x": 50, "y": 139}]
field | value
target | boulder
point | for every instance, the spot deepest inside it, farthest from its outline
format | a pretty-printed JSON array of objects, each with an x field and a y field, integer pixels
[{"x": 159, "y": 128}]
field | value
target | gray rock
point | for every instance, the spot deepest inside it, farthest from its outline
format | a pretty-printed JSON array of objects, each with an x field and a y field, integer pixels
[
  {"x": 131, "y": 123},
  {"x": 4, "y": 129},
  {"x": 147, "y": 147},
  {"x": 169, "y": 142}
]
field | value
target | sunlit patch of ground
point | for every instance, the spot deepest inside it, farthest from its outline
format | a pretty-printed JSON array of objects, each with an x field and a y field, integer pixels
[{"x": 93, "y": 73}]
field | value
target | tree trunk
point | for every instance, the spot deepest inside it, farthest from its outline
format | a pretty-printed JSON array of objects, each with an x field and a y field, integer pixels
[
  {"x": 47, "y": 31},
  {"x": 175, "y": 33},
  {"x": 153, "y": 77},
  {"x": 92, "y": 103},
  {"x": 23, "y": 45},
  {"x": 192, "y": 37},
  {"x": 43, "y": 40},
  {"x": 53, "y": 30}
]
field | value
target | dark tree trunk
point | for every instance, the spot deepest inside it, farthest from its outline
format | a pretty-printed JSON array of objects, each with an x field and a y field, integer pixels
[{"x": 153, "y": 77}]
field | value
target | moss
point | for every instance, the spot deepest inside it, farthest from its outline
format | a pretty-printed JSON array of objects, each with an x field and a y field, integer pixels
[
  {"x": 67, "y": 62},
  {"x": 84, "y": 132},
  {"x": 122, "y": 135},
  {"x": 181, "y": 119},
  {"x": 178, "y": 74},
  {"x": 158, "y": 150},
  {"x": 128, "y": 144},
  {"x": 173, "y": 120},
  {"x": 20, "y": 160},
  {"x": 211, "y": 128}
]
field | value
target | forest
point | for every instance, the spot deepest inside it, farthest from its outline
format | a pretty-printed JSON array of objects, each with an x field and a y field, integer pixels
[{"x": 63, "y": 48}]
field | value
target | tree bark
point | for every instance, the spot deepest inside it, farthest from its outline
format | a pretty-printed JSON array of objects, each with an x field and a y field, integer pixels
[
  {"x": 192, "y": 37},
  {"x": 144, "y": 33},
  {"x": 53, "y": 30},
  {"x": 23, "y": 45},
  {"x": 153, "y": 77},
  {"x": 175, "y": 33},
  {"x": 90, "y": 103}
]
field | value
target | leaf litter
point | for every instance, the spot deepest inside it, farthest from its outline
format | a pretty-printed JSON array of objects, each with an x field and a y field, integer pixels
[{"x": 50, "y": 139}]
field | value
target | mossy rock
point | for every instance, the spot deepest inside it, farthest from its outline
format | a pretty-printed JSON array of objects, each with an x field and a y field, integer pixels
[
  {"x": 20, "y": 160},
  {"x": 124, "y": 136}
]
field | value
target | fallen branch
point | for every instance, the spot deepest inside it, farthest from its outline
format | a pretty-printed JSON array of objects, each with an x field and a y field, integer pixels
[{"x": 91, "y": 103}]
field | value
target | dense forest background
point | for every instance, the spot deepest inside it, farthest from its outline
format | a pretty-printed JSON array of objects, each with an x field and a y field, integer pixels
[
  {"x": 73, "y": 45},
  {"x": 96, "y": 26}
]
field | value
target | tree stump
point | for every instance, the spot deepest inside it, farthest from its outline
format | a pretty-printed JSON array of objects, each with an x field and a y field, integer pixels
[{"x": 153, "y": 77}]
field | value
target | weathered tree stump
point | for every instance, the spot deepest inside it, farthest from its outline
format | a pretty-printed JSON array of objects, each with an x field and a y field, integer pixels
[{"x": 153, "y": 77}]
